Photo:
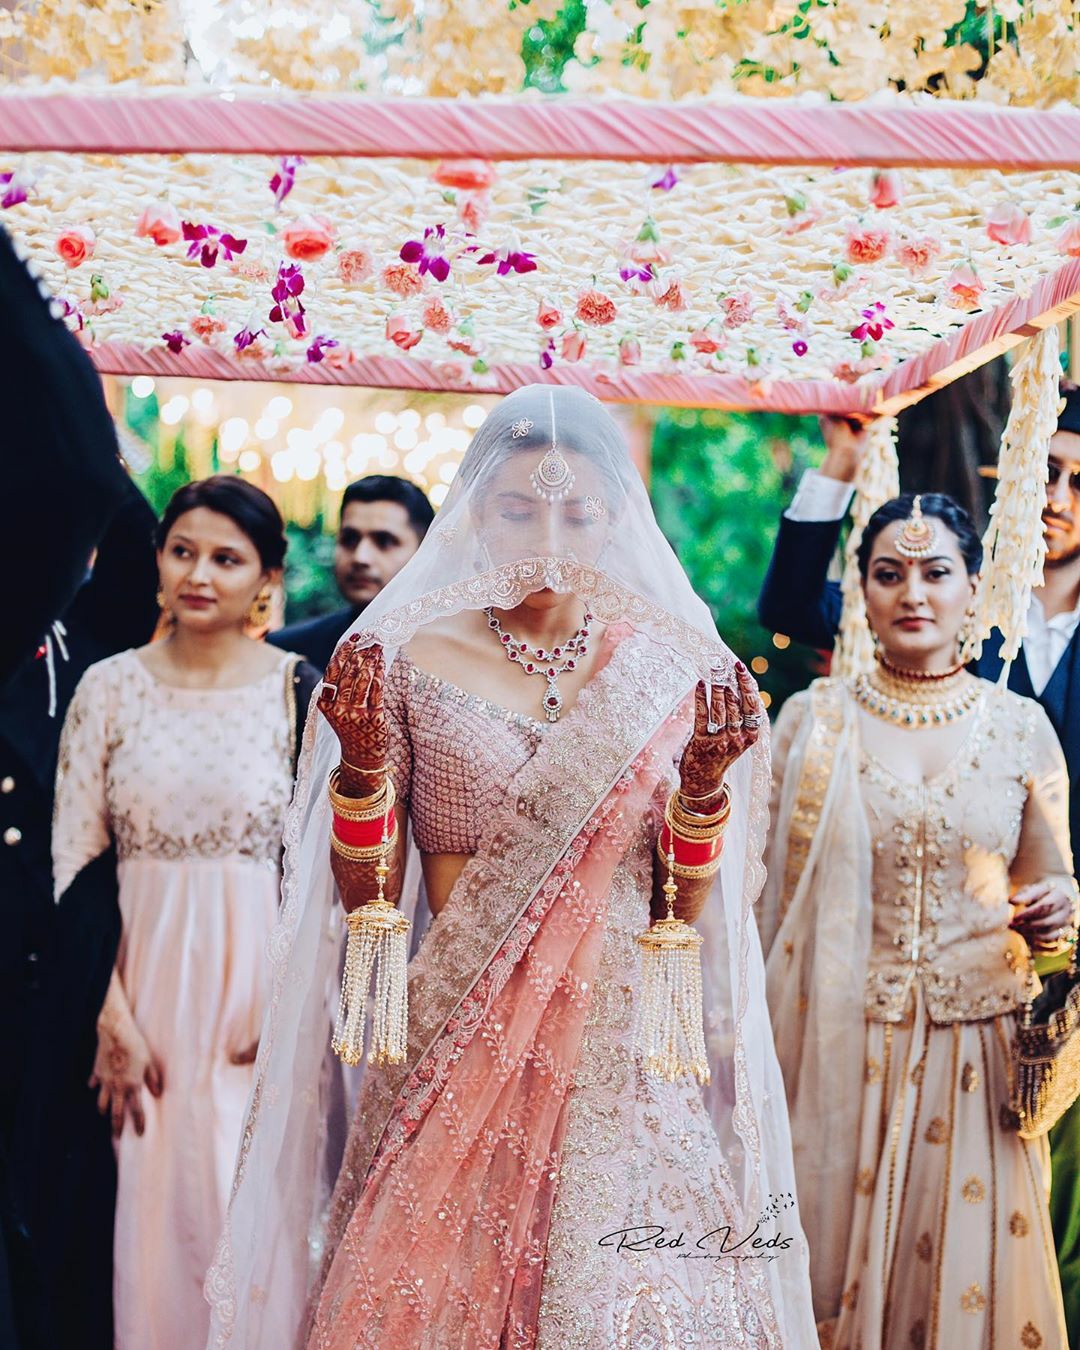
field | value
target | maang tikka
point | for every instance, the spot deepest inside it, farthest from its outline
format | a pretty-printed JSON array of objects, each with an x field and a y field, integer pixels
[
  {"x": 917, "y": 537},
  {"x": 552, "y": 478}
]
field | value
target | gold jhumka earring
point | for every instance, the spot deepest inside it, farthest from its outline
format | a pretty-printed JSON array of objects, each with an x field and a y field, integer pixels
[{"x": 259, "y": 613}]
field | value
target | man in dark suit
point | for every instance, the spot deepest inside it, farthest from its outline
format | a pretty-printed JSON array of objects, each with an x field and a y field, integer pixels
[
  {"x": 67, "y": 494},
  {"x": 798, "y": 599},
  {"x": 383, "y": 520}
]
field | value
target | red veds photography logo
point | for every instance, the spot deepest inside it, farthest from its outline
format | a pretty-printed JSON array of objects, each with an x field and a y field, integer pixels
[{"x": 763, "y": 1240}]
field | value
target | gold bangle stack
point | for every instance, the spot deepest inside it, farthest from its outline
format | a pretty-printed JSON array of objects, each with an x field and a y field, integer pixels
[
  {"x": 694, "y": 829},
  {"x": 376, "y": 807}
]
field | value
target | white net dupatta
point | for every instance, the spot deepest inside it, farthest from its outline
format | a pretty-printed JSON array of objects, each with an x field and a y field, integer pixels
[{"x": 546, "y": 496}]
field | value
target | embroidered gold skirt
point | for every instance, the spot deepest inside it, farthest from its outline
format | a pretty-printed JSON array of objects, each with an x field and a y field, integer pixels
[{"x": 950, "y": 1240}]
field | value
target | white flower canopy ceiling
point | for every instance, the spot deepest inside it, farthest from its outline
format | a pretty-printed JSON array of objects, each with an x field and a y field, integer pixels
[{"x": 729, "y": 250}]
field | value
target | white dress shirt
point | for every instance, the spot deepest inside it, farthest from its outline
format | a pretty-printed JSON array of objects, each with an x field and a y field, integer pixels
[
  {"x": 825, "y": 499},
  {"x": 1046, "y": 640},
  {"x": 820, "y": 498}
]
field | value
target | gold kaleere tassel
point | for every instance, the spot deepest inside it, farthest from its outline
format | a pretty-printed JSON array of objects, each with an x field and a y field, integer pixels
[
  {"x": 377, "y": 944},
  {"x": 671, "y": 1030}
]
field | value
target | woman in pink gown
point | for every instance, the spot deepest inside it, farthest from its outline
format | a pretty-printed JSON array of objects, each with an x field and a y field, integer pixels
[{"x": 181, "y": 754}]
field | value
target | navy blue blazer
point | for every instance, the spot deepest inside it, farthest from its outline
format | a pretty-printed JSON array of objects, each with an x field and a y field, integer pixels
[
  {"x": 798, "y": 599},
  {"x": 314, "y": 639}
]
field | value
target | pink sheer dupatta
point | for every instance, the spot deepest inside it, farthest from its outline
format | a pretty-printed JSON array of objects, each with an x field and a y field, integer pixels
[{"x": 445, "y": 1243}]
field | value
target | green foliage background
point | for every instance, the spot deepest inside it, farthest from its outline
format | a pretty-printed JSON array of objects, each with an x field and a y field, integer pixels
[{"x": 719, "y": 484}]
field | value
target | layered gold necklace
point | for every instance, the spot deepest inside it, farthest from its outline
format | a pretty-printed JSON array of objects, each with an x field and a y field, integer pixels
[{"x": 916, "y": 699}]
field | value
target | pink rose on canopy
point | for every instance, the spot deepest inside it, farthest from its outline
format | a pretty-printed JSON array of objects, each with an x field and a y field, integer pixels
[
  {"x": 547, "y": 316},
  {"x": 467, "y": 175},
  {"x": 436, "y": 316},
  {"x": 307, "y": 238},
  {"x": 400, "y": 334},
  {"x": 354, "y": 265},
  {"x": 866, "y": 245},
  {"x": 705, "y": 342},
  {"x": 593, "y": 307},
  {"x": 452, "y": 371},
  {"x": 886, "y": 188},
  {"x": 738, "y": 308},
  {"x": 403, "y": 279},
  {"x": 1009, "y": 224},
  {"x": 1068, "y": 239},
  {"x": 75, "y": 244},
  {"x": 159, "y": 222},
  {"x": 630, "y": 351},
  {"x": 964, "y": 287},
  {"x": 917, "y": 255},
  {"x": 573, "y": 346}
]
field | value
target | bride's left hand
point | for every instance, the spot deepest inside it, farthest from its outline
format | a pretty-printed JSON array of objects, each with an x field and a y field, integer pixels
[{"x": 718, "y": 742}]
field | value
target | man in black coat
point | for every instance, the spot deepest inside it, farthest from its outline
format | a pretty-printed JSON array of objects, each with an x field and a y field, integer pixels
[
  {"x": 383, "y": 520},
  {"x": 798, "y": 599},
  {"x": 66, "y": 494}
]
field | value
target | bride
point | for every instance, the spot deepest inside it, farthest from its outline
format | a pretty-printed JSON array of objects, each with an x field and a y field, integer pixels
[{"x": 543, "y": 690}]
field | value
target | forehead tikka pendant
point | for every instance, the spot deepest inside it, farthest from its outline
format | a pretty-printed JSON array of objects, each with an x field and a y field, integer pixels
[
  {"x": 552, "y": 478},
  {"x": 917, "y": 537}
]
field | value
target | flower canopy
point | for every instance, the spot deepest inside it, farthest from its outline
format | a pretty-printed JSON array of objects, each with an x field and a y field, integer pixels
[{"x": 731, "y": 251}]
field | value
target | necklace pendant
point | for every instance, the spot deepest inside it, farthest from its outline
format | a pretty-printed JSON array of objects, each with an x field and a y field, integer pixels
[{"x": 552, "y": 701}]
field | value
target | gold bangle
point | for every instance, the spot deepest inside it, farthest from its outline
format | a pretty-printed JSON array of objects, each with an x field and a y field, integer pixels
[
  {"x": 364, "y": 773},
  {"x": 369, "y": 853},
  {"x": 699, "y": 830},
  {"x": 703, "y": 818},
  {"x": 361, "y": 808}
]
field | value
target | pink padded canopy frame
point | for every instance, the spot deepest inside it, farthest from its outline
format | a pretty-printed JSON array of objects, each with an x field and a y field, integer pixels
[{"x": 777, "y": 132}]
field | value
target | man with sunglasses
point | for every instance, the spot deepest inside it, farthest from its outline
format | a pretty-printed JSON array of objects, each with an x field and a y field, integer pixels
[{"x": 800, "y": 600}]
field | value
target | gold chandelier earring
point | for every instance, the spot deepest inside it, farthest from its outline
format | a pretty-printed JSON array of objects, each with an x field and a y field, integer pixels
[{"x": 259, "y": 613}]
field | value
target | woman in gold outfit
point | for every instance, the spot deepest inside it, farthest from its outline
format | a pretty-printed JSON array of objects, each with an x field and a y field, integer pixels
[{"x": 920, "y": 851}]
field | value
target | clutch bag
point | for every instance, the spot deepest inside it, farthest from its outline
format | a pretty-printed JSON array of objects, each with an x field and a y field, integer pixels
[{"x": 1046, "y": 1054}]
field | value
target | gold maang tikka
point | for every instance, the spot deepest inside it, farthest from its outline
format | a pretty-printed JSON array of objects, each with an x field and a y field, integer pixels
[{"x": 917, "y": 537}]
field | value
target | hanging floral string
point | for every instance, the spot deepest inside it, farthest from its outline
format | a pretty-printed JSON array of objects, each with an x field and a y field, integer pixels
[
  {"x": 876, "y": 482},
  {"x": 1013, "y": 546}
]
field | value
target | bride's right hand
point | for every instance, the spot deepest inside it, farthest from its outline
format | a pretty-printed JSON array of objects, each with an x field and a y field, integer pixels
[{"x": 351, "y": 700}]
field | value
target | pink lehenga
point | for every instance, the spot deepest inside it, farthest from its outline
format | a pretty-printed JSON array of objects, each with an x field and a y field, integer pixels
[{"x": 487, "y": 1182}]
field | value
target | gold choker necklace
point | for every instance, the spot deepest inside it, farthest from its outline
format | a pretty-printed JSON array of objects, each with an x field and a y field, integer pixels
[{"x": 916, "y": 700}]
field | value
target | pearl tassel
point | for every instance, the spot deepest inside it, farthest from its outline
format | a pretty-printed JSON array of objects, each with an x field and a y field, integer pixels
[
  {"x": 671, "y": 1029},
  {"x": 377, "y": 944}
]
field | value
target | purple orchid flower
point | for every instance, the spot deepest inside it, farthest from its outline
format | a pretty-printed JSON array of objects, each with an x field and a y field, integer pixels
[
  {"x": 286, "y": 293},
  {"x": 667, "y": 181},
  {"x": 246, "y": 336},
  {"x": 799, "y": 347},
  {"x": 636, "y": 272},
  {"x": 510, "y": 260},
  {"x": 417, "y": 251},
  {"x": 284, "y": 179},
  {"x": 16, "y": 185},
  {"x": 206, "y": 241},
  {"x": 547, "y": 360},
  {"x": 319, "y": 347},
  {"x": 68, "y": 308},
  {"x": 175, "y": 341},
  {"x": 874, "y": 324}
]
